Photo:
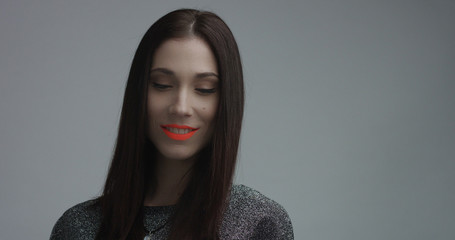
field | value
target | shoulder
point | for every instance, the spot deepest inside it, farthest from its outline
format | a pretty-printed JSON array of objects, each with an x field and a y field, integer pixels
[
  {"x": 79, "y": 222},
  {"x": 252, "y": 215}
]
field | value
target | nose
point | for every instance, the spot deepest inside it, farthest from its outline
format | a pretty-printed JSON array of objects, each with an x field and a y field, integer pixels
[{"x": 181, "y": 105}]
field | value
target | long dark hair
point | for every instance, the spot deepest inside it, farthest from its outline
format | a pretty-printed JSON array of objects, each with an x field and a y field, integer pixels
[{"x": 199, "y": 211}]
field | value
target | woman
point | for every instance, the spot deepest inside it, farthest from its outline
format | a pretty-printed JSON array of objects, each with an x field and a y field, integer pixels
[{"x": 175, "y": 155}]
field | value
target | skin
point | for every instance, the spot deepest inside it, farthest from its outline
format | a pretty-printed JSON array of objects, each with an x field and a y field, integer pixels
[{"x": 183, "y": 90}]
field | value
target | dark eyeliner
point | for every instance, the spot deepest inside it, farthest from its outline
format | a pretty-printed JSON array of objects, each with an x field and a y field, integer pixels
[
  {"x": 206, "y": 91},
  {"x": 160, "y": 86}
]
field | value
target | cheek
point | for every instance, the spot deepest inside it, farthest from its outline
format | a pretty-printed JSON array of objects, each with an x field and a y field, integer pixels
[
  {"x": 154, "y": 107},
  {"x": 208, "y": 106},
  {"x": 208, "y": 109}
]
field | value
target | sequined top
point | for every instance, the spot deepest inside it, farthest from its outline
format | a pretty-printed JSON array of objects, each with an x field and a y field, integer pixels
[{"x": 249, "y": 215}]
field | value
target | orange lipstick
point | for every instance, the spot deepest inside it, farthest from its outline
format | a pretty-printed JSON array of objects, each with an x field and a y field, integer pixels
[{"x": 178, "y": 132}]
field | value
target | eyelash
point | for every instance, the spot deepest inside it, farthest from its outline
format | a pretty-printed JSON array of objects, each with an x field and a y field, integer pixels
[
  {"x": 162, "y": 87},
  {"x": 206, "y": 91}
]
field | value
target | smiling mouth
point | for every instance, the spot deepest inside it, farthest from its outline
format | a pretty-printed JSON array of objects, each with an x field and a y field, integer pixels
[{"x": 178, "y": 132}]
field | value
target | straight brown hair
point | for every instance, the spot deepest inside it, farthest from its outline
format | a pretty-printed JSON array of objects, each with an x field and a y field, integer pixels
[{"x": 199, "y": 211}]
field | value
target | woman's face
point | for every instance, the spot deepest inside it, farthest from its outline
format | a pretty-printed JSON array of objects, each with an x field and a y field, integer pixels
[{"x": 182, "y": 98}]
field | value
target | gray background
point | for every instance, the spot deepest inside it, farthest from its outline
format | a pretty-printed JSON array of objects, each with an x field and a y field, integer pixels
[{"x": 349, "y": 117}]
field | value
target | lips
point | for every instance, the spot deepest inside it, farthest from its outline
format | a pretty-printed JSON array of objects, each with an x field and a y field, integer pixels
[{"x": 178, "y": 132}]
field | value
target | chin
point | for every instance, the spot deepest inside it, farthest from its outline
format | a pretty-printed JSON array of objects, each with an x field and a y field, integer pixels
[{"x": 177, "y": 153}]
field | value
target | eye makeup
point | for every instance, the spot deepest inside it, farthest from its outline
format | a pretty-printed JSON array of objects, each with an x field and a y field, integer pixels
[
  {"x": 160, "y": 86},
  {"x": 206, "y": 91},
  {"x": 204, "y": 83}
]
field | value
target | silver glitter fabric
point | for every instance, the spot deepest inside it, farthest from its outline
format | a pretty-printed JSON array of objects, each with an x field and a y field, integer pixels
[{"x": 250, "y": 215}]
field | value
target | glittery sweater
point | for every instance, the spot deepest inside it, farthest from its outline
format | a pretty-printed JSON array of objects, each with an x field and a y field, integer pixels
[{"x": 250, "y": 215}]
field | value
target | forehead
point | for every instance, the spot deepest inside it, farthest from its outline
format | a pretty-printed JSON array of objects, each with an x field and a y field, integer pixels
[{"x": 185, "y": 55}]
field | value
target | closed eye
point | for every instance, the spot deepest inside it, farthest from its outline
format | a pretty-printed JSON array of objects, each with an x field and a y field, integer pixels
[
  {"x": 161, "y": 86},
  {"x": 205, "y": 90}
]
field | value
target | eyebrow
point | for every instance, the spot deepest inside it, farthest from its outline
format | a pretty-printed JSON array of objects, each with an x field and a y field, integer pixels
[
  {"x": 172, "y": 74},
  {"x": 163, "y": 70}
]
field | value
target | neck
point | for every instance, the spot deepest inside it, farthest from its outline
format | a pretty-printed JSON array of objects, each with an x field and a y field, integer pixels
[{"x": 172, "y": 177}]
